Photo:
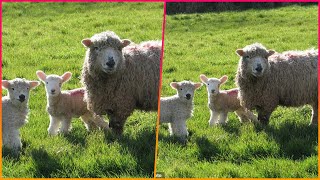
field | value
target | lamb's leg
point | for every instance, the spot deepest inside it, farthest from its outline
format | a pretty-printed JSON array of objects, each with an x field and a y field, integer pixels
[
  {"x": 242, "y": 115},
  {"x": 100, "y": 122},
  {"x": 54, "y": 125},
  {"x": 314, "y": 118},
  {"x": 213, "y": 117},
  {"x": 223, "y": 118},
  {"x": 179, "y": 129},
  {"x": 65, "y": 125},
  {"x": 16, "y": 141},
  {"x": 88, "y": 121}
]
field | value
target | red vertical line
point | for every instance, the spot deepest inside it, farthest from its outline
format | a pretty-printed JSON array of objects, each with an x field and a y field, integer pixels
[{"x": 159, "y": 91}]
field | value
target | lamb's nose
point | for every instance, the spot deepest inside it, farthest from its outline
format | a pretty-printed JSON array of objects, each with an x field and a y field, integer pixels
[
  {"x": 22, "y": 97},
  {"x": 53, "y": 90},
  {"x": 212, "y": 91},
  {"x": 188, "y": 96},
  {"x": 259, "y": 68},
  {"x": 110, "y": 62}
]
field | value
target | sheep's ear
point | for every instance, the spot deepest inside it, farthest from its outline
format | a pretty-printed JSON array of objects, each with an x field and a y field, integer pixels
[
  {"x": 5, "y": 84},
  {"x": 240, "y": 52},
  {"x": 174, "y": 85},
  {"x": 270, "y": 52},
  {"x": 223, "y": 79},
  {"x": 197, "y": 85},
  {"x": 125, "y": 42},
  {"x": 86, "y": 42},
  {"x": 66, "y": 76},
  {"x": 34, "y": 84},
  {"x": 203, "y": 78},
  {"x": 41, "y": 75}
]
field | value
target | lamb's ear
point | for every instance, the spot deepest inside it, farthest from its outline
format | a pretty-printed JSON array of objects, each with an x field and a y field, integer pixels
[
  {"x": 270, "y": 52},
  {"x": 125, "y": 42},
  {"x": 197, "y": 85},
  {"x": 86, "y": 42},
  {"x": 41, "y": 75},
  {"x": 34, "y": 84},
  {"x": 240, "y": 52},
  {"x": 5, "y": 84},
  {"x": 66, "y": 76},
  {"x": 223, "y": 79},
  {"x": 174, "y": 85},
  {"x": 203, "y": 78}
]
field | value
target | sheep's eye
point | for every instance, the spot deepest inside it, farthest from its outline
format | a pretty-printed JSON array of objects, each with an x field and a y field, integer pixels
[
  {"x": 208, "y": 84},
  {"x": 12, "y": 88},
  {"x": 181, "y": 89},
  {"x": 47, "y": 82},
  {"x": 246, "y": 57},
  {"x": 96, "y": 48},
  {"x": 27, "y": 88},
  {"x": 59, "y": 84}
]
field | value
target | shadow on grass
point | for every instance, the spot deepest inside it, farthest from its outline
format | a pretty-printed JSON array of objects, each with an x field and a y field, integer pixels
[
  {"x": 141, "y": 146},
  {"x": 45, "y": 165},
  {"x": 207, "y": 149},
  {"x": 77, "y": 138},
  {"x": 296, "y": 141}
]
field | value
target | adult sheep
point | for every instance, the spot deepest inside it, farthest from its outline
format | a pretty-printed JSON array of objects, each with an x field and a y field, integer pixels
[
  {"x": 120, "y": 76},
  {"x": 267, "y": 79}
]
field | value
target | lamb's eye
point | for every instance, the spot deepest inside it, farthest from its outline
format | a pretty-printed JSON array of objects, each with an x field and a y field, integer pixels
[
  {"x": 96, "y": 48},
  {"x": 208, "y": 84},
  {"x": 27, "y": 88},
  {"x": 246, "y": 57},
  {"x": 181, "y": 89},
  {"x": 47, "y": 82},
  {"x": 60, "y": 84},
  {"x": 12, "y": 88}
]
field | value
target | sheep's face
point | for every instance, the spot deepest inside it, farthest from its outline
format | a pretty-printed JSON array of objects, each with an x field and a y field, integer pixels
[
  {"x": 213, "y": 84},
  {"x": 254, "y": 59},
  {"x": 109, "y": 58},
  {"x": 53, "y": 82},
  {"x": 185, "y": 89},
  {"x": 18, "y": 89},
  {"x": 105, "y": 49}
]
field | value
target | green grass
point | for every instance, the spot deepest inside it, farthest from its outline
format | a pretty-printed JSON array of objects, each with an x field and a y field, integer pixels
[
  {"x": 206, "y": 43},
  {"x": 47, "y": 36}
]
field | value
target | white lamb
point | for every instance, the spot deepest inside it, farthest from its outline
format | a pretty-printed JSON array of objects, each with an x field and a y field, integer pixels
[
  {"x": 15, "y": 111},
  {"x": 176, "y": 109},
  {"x": 221, "y": 103},
  {"x": 62, "y": 106}
]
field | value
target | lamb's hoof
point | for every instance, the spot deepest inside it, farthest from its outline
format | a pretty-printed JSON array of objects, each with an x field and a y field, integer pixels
[{"x": 52, "y": 133}]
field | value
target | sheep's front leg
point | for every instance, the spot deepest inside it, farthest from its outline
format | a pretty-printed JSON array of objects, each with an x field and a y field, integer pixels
[
  {"x": 264, "y": 116},
  {"x": 65, "y": 125},
  {"x": 54, "y": 125},
  {"x": 213, "y": 117},
  {"x": 117, "y": 124},
  {"x": 223, "y": 118}
]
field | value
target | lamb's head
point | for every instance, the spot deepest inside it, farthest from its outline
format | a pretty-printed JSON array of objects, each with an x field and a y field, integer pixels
[
  {"x": 213, "y": 84},
  {"x": 53, "y": 82},
  {"x": 254, "y": 59},
  {"x": 185, "y": 89},
  {"x": 18, "y": 89},
  {"x": 105, "y": 50}
]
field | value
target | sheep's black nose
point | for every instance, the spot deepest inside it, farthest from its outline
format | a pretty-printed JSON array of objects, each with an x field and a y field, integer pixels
[
  {"x": 53, "y": 90},
  {"x": 188, "y": 96},
  {"x": 259, "y": 68},
  {"x": 212, "y": 91},
  {"x": 110, "y": 62},
  {"x": 22, "y": 97}
]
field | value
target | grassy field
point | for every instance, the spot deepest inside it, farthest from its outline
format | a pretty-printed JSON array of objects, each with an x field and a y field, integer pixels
[
  {"x": 48, "y": 36},
  {"x": 206, "y": 43}
]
